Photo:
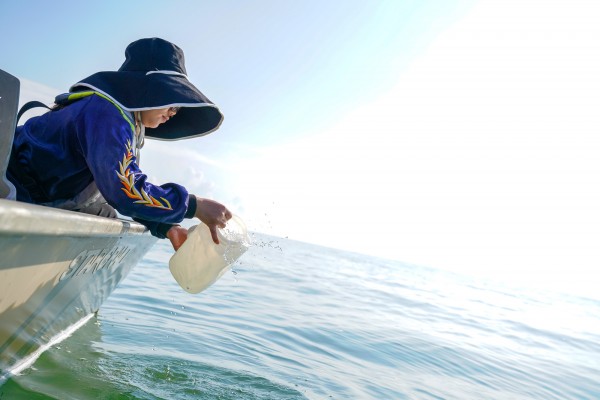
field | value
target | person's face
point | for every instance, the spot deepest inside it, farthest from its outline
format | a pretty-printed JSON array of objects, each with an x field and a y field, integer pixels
[{"x": 153, "y": 118}]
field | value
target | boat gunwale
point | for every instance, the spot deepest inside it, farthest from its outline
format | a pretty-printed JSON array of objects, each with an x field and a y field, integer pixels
[{"x": 23, "y": 218}]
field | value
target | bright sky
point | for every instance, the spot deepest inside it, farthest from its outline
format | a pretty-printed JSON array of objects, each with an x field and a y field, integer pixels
[{"x": 457, "y": 134}]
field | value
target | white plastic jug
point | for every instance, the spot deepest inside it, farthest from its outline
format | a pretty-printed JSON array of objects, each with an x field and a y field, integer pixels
[{"x": 200, "y": 262}]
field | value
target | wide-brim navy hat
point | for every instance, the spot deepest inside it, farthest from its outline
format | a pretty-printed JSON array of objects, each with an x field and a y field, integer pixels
[{"x": 154, "y": 76}]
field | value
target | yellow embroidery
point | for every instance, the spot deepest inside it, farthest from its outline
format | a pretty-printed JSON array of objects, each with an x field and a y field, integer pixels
[{"x": 127, "y": 180}]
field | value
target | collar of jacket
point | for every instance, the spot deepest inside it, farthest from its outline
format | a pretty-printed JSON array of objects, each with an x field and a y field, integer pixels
[{"x": 68, "y": 98}]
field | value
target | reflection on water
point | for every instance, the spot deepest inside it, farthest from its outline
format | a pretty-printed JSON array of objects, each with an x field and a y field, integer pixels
[{"x": 79, "y": 369}]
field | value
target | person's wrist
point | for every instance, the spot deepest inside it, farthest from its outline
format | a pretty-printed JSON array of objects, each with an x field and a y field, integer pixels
[{"x": 172, "y": 231}]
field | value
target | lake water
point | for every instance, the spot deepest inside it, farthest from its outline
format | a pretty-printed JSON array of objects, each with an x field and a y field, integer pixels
[{"x": 299, "y": 321}]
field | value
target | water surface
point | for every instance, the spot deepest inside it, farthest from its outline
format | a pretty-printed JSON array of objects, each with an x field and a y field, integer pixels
[{"x": 299, "y": 321}]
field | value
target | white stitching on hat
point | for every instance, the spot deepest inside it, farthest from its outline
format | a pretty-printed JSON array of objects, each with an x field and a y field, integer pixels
[{"x": 167, "y": 73}]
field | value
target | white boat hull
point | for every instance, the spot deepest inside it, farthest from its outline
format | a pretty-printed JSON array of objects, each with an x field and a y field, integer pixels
[{"x": 56, "y": 268}]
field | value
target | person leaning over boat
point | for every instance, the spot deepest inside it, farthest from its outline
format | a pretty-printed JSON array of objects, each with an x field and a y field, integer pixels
[{"x": 83, "y": 155}]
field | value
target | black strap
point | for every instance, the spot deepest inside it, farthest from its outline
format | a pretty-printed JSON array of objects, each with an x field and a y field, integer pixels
[
  {"x": 35, "y": 191},
  {"x": 28, "y": 106}
]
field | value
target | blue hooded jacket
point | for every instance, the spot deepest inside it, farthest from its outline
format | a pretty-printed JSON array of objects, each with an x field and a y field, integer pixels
[{"x": 91, "y": 140}]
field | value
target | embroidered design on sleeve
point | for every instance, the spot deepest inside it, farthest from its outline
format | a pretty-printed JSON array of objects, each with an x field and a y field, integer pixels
[{"x": 127, "y": 180}]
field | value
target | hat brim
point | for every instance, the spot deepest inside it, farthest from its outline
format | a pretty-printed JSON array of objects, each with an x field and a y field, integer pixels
[{"x": 138, "y": 91}]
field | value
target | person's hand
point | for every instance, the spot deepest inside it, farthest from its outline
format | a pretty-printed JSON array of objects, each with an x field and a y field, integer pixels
[
  {"x": 177, "y": 235},
  {"x": 214, "y": 215}
]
